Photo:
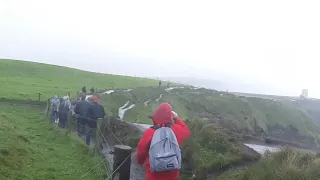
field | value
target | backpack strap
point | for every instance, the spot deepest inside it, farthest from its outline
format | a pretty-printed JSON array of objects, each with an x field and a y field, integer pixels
[
  {"x": 161, "y": 125},
  {"x": 155, "y": 127}
]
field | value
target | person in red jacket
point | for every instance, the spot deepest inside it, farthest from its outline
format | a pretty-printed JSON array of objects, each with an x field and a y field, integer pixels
[{"x": 163, "y": 114}]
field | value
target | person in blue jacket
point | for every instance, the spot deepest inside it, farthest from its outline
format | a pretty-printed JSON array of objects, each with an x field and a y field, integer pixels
[{"x": 95, "y": 112}]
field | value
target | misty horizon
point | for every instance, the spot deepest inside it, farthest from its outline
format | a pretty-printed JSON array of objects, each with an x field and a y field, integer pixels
[
  {"x": 198, "y": 82},
  {"x": 256, "y": 47}
]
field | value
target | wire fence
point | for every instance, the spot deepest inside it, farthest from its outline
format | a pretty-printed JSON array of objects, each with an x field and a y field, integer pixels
[
  {"x": 98, "y": 139},
  {"x": 100, "y": 133}
]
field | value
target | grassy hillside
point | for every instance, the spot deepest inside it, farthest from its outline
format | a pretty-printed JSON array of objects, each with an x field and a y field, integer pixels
[
  {"x": 216, "y": 119},
  {"x": 284, "y": 165},
  {"x": 23, "y": 80},
  {"x": 211, "y": 149},
  {"x": 32, "y": 149},
  {"x": 309, "y": 106},
  {"x": 266, "y": 96},
  {"x": 245, "y": 115}
]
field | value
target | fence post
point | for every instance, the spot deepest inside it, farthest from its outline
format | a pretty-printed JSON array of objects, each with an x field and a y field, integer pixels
[
  {"x": 70, "y": 122},
  {"x": 74, "y": 122},
  {"x": 122, "y": 161},
  {"x": 39, "y": 96},
  {"x": 98, "y": 143},
  {"x": 49, "y": 105}
]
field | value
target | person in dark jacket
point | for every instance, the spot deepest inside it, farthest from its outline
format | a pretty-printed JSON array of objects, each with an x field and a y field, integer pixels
[
  {"x": 81, "y": 110},
  {"x": 55, "y": 108},
  {"x": 95, "y": 112},
  {"x": 92, "y": 90},
  {"x": 59, "y": 114},
  {"x": 64, "y": 109},
  {"x": 84, "y": 89}
]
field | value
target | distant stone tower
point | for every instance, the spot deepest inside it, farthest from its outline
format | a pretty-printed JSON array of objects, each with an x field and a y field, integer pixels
[{"x": 304, "y": 93}]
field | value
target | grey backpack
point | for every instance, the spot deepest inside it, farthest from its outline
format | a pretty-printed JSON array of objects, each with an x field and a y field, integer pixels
[{"x": 164, "y": 152}]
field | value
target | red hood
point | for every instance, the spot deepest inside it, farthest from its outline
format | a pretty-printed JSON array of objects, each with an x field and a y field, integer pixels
[{"x": 162, "y": 114}]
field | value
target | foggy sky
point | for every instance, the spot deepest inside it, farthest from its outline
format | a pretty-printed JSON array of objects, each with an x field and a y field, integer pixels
[{"x": 273, "y": 44}]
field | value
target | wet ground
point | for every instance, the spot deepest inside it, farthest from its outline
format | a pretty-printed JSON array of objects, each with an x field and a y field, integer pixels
[{"x": 261, "y": 149}]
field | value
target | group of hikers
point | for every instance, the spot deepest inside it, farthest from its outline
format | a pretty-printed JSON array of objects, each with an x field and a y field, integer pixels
[
  {"x": 159, "y": 146},
  {"x": 60, "y": 110},
  {"x": 87, "y": 114},
  {"x": 160, "y": 82},
  {"x": 84, "y": 90}
]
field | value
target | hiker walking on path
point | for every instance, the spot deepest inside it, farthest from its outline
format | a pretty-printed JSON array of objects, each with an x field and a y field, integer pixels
[
  {"x": 95, "y": 112},
  {"x": 92, "y": 90},
  {"x": 160, "y": 83},
  {"x": 84, "y": 90},
  {"x": 55, "y": 108},
  {"x": 159, "y": 147},
  {"x": 81, "y": 110},
  {"x": 64, "y": 109}
]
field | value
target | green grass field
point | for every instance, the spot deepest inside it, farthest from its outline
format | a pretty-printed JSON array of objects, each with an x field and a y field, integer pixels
[
  {"x": 287, "y": 164},
  {"x": 23, "y": 80},
  {"x": 33, "y": 149}
]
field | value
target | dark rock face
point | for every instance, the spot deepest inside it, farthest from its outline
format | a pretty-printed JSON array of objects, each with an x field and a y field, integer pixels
[
  {"x": 289, "y": 133},
  {"x": 117, "y": 130}
]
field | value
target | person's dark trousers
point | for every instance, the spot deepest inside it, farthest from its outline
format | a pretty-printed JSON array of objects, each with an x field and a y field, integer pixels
[
  {"x": 62, "y": 122},
  {"x": 92, "y": 126},
  {"x": 81, "y": 126}
]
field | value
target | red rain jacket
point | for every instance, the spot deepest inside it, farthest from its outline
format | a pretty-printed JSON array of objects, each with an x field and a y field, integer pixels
[{"x": 162, "y": 114}]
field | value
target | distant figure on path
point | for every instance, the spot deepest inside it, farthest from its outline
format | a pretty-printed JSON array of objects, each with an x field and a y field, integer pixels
[
  {"x": 92, "y": 90},
  {"x": 64, "y": 109},
  {"x": 160, "y": 83},
  {"x": 95, "y": 112},
  {"x": 84, "y": 90},
  {"x": 168, "y": 85},
  {"x": 164, "y": 138},
  {"x": 55, "y": 108},
  {"x": 81, "y": 110}
]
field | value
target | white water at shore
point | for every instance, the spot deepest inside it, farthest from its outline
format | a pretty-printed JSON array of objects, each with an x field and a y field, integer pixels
[
  {"x": 261, "y": 149},
  {"x": 108, "y": 92},
  {"x": 172, "y": 88},
  {"x": 146, "y": 103},
  {"x": 122, "y": 109},
  {"x": 159, "y": 98},
  {"x": 88, "y": 96},
  {"x": 143, "y": 127}
]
